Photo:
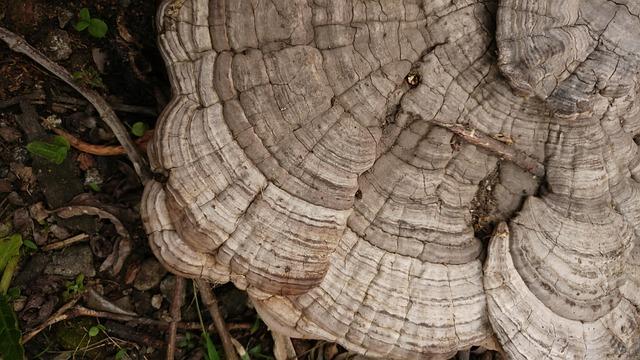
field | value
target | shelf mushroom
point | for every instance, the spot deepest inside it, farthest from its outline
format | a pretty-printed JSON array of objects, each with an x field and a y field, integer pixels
[{"x": 335, "y": 157}]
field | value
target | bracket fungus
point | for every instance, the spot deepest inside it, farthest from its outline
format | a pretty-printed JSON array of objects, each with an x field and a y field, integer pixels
[{"x": 334, "y": 158}]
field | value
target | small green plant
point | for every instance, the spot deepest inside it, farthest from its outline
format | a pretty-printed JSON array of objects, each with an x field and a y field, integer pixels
[
  {"x": 90, "y": 77},
  {"x": 121, "y": 354},
  {"x": 74, "y": 288},
  {"x": 188, "y": 342},
  {"x": 95, "y": 330},
  {"x": 55, "y": 150},
  {"x": 256, "y": 326},
  {"x": 96, "y": 27},
  {"x": 138, "y": 129},
  {"x": 28, "y": 244},
  {"x": 10, "y": 346},
  {"x": 94, "y": 186},
  {"x": 257, "y": 352},
  {"x": 210, "y": 348}
]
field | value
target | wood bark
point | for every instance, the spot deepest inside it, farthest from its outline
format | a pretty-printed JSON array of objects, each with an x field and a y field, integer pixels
[{"x": 323, "y": 156}]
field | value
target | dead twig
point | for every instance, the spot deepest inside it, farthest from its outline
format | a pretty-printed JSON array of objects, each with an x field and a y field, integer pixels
[
  {"x": 60, "y": 315},
  {"x": 497, "y": 147},
  {"x": 127, "y": 333},
  {"x": 66, "y": 242},
  {"x": 210, "y": 301},
  {"x": 121, "y": 250},
  {"x": 102, "y": 150},
  {"x": 96, "y": 301},
  {"x": 18, "y": 44},
  {"x": 176, "y": 316},
  {"x": 38, "y": 97},
  {"x": 68, "y": 311}
]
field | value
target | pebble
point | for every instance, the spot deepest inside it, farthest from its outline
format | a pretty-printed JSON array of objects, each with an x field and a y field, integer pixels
[
  {"x": 168, "y": 284},
  {"x": 57, "y": 44},
  {"x": 9, "y": 134},
  {"x": 71, "y": 262},
  {"x": 156, "y": 301},
  {"x": 149, "y": 276}
]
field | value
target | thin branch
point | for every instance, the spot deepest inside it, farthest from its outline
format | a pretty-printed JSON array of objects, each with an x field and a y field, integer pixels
[
  {"x": 60, "y": 315},
  {"x": 502, "y": 149},
  {"x": 18, "y": 44},
  {"x": 176, "y": 316},
  {"x": 101, "y": 150},
  {"x": 66, "y": 242},
  {"x": 67, "y": 102},
  {"x": 210, "y": 301},
  {"x": 68, "y": 312}
]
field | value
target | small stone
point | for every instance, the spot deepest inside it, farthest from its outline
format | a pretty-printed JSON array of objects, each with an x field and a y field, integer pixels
[
  {"x": 52, "y": 122},
  {"x": 15, "y": 199},
  {"x": 156, "y": 301},
  {"x": 22, "y": 222},
  {"x": 64, "y": 16},
  {"x": 71, "y": 262},
  {"x": 149, "y": 276},
  {"x": 100, "y": 59},
  {"x": 93, "y": 178},
  {"x": 58, "y": 45},
  {"x": 126, "y": 303},
  {"x": 59, "y": 232},
  {"x": 5, "y": 186},
  {"x": 24, "y": 174},
  {"x": 38, "y": 212},
  {"x": 166, "y": 288},
  {"x": 18, "y": 304},
  {"x": 9, "y": 134}
]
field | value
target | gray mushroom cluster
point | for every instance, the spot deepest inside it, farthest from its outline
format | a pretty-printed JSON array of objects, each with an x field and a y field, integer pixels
[{"x": 310, "y": 159}]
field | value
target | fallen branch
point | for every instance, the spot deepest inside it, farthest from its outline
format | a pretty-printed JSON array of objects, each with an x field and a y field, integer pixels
[
  {"x": 497, "y": 147},
  {"x": 176, "y": 316},
  {"x": 130, "y": 335},
  {"x": 68, "y": 311},
  {"x": 210, "y": 301},
  {"x": 18, "y": 44},
  {"x": 66, "y": 242},
  {"x": 121, "y": 250},
  {"x": 60, "y": 315},
  {"x": 102, "y": 150},
  {"x": 67, "y": 102}
]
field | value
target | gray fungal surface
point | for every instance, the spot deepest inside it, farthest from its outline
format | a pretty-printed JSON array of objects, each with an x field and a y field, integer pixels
[{"x": 312, "y": 159}]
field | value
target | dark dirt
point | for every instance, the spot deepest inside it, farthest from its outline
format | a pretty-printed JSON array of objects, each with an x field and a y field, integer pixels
[{"x": 126, "y": 68}]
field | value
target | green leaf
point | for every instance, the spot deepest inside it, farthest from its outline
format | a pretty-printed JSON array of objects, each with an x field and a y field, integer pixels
[
  {"x": 30, "y": 245},
  {"x": 55, "y": 151},
  {"x": 13, "y": 293},
  {"x": 84, "y": 14},
  {"x": 81, "y": 25},
  {"x": 61, "y": 141},
  {"x": 138, "y": 129},
  {"x": 97, "y": 28},
  {"x": 255, "y": 327},
  {"x": 212, "y": 352},
  {"x": 95, "y": 187},
  {"x": 94, "y": 331},
  {"x": 10, "y": 347},
  {"x": 9, "y": 248},
  {"x": 121, "y": 354},
  {"x": 7, "y": 274}
]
